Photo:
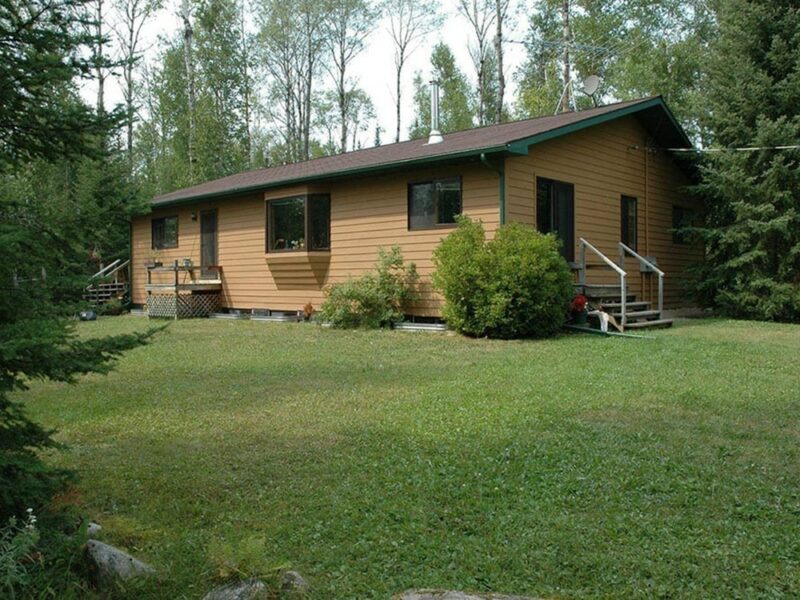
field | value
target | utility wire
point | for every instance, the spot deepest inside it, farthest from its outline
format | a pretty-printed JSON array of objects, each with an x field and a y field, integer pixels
[{"x": 741, "y": 149}]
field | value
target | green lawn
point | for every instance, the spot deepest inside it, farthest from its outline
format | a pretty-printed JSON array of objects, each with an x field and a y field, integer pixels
[{"x": 372, "y": 462}]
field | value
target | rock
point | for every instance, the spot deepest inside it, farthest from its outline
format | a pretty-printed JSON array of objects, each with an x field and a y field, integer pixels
[
  {"x": 452, "y": 595},
  {"x": 293, "y": 585},
  {"x": 249, "y": 589},
  {"x": 111, "y": 564},
  {"x": 93, "y": 529}
]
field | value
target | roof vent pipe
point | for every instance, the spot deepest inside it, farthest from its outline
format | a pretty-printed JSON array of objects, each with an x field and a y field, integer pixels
[{"x": 435, "y": 136}]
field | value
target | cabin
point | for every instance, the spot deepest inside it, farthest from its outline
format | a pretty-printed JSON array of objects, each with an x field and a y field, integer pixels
[{"x": 267, "y": 242}]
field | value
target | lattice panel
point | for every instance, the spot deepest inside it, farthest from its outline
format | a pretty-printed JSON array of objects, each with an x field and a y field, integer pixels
[{"x": 182, "y": 306}]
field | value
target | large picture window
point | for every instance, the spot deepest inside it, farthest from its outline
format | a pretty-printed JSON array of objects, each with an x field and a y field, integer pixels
[
  {"x": 434, "y": 203},
  {"x": 164, "y": 233},
  {"x": 299, "y": 223}
]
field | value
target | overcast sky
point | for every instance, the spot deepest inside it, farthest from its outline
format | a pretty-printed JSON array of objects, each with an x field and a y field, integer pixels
[{"x": 374, "y": 68}]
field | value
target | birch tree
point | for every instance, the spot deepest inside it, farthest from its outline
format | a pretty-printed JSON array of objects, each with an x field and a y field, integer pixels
[
  {"x": 409, "y": 21},
  {"x": 501, "y": 12},
  {"x": 188, "y": 59},
  {"x": 481, "y": 16},
  {"x": 131, "y": 18},
  {"x": 348, "y": 24}
]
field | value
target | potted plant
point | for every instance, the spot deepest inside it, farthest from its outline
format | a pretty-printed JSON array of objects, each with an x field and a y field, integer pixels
[
  {"x": 152, "y": 260},
  {"x": 308, "y": 311},
  {"x": 579, "y": 310}
]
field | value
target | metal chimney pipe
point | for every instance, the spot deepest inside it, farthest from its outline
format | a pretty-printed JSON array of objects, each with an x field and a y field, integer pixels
[{"x": 435, "y": 136}]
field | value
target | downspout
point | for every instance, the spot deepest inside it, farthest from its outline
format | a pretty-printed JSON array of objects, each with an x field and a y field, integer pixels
[
  {"x": 130, "y": 261},
  {"x": 502, "y": 185}
]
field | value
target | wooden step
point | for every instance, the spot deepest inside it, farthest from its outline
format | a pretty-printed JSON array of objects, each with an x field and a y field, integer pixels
[
  {"x": 649, "y": 324},
  {"x": 600, "y": 291},
  {"x": 638, "y": 314},
  {"x": 640, "y": 305}
]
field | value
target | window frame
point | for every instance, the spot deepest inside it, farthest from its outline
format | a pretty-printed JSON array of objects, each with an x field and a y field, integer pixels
[
  {"x": 268, "y": 238},
  {"x": 153, "y": 221},
  {"x": 433, "y": 182},
  {"x": 687, "y": 219},
  {"x": 626, "y": 202},
  {"x": 553, "y": 186}
]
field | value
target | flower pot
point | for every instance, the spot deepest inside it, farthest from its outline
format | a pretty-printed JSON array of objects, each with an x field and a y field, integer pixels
[{"x": 580, "y": 318}]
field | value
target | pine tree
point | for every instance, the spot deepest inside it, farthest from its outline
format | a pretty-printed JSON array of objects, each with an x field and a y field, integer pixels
[
  {"x": 43, "y": 122},
  {"x": 455, "y": 110},
  {"x": 752, "y": 199}
]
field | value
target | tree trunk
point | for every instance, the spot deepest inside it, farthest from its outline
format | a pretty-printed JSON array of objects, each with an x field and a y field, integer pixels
[
  {"x": 400, "y": 62},
  {"x": 99, "y": 65},
  {"x": 566, "y": 103},
  {"x": 188, "y": 35},
  {"x": 343, "y": 110},
  {"x": 498, "y": 50}
]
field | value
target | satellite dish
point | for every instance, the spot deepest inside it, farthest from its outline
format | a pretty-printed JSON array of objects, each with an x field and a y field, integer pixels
[{"x": 590, "y": 85}]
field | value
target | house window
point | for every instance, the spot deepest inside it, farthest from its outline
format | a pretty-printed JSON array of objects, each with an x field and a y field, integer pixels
[
  {"x": 299, "y": 223},
  {"x": 164, "y": 233},
  {"x": 555, "y": 213},
  {"x": 434, "y": 203},
  {"x": 628, "y": 222},
  {"x": 681, "y": 218}
]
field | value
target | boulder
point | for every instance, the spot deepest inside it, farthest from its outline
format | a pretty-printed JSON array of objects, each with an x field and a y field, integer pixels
[
  {"x": 293, "y": 585},
  {"x": 93, "y": 529},
  {"x": 111, "y": 564},
  {"x": 249, "y": 589},
  {"x": 453, "y": 595}
]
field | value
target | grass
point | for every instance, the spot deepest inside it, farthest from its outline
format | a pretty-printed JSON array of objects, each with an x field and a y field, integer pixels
[{"x": 372, "y": 462}]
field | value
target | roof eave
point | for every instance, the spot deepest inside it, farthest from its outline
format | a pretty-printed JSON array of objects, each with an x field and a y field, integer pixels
[
  {"x": 522, "y": 146},
  {"x": 414, "y": 162}
]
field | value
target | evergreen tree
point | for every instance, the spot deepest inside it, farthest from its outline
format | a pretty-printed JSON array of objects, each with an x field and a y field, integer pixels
[
  {"x": 43, "y": 122},
  {"x": 752, "y": 199},
  {"x": 455, "y": 110}
]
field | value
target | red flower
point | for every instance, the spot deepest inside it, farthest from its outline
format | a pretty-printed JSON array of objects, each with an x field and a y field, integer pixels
[{"x": 578, "y": 304}]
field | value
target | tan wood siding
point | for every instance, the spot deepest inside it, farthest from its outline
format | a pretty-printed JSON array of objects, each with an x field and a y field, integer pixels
[
  {"x": 604, "y": 163},
  {"x": 366, "y": 214}
]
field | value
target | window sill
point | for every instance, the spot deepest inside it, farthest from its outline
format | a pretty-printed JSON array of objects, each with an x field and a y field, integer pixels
[
  {"x": 435, "y": 227},
  {"x": 299, "y": 259},
  {"x": 277, "y": 254}
]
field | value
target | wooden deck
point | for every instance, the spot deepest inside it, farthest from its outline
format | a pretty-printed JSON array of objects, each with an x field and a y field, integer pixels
[{"x": 176, "y": 299}]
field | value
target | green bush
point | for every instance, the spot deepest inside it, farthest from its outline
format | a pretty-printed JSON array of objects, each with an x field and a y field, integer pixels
[
  {"x": 516, "y": 285},
  {"x": 113, "y": 307},
  {"x": 376, "y": 299}
]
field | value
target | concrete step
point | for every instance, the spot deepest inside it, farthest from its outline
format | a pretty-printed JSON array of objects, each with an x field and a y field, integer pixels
[{"x": 649, "y": 324}]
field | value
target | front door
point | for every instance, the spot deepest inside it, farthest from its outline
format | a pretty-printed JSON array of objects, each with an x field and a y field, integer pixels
[
  {"x": 208, "y": 244},
  {"x": 555, "y": 212}
]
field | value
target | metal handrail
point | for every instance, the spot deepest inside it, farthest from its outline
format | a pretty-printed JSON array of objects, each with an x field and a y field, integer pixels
[
  {"x": 109, "y": 270},
  {"x": 102, "y": 272},
  {"x": 643, "y": 261},
  {"x": 583, "y": 245}
]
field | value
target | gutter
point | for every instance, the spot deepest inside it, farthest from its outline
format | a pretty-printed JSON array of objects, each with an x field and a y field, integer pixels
[
  {"x": 334, "y": 175},
  {"x": 501, "y": 174}
]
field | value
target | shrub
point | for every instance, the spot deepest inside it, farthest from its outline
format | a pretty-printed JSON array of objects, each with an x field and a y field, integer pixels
[
  {"x": 113, "y": 307},
  {"x": 376, "y": 299},
  {"x": 516, "y": 285}
]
